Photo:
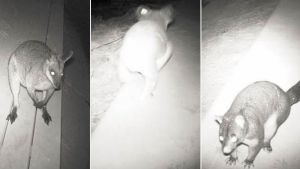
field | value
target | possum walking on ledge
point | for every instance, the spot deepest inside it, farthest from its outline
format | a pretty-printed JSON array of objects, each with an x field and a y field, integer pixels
[
  {"x": 36, "y": 67},
  {"x": 254, "y": 118},
  {"x": 146, "y": 48}
]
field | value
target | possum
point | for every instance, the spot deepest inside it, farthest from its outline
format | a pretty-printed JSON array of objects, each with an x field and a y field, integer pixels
[
  {"x": 254, "y": 118},
  {"x": 146, "y": 48},
  {"x": 37, "y": 68}
]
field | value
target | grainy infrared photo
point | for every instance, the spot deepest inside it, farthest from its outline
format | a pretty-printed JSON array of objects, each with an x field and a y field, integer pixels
[
  {"x": 250, "y": 84},
  {"x": 145, "y": 81},
  {"x": 44, "y": 85}
]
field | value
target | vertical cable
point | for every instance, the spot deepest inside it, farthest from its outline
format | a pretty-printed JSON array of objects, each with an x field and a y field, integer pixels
[
  {"x": 48, "y": 22},
  {"x": 3, "y": 135},
  {"x": 34, "y": 122},
  {"x": 31, "y": 142}
]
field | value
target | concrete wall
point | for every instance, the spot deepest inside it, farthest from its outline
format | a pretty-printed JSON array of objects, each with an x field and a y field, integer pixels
[
  {"x": 21, "y": 21},
  {"x": 75, "y": 94}
]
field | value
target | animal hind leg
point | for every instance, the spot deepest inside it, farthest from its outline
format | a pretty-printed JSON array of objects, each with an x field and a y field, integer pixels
[
  {"x": 270, "y": 128},
  {"x": 15, "y": 89},
  {"x": 150, "y": 83}
]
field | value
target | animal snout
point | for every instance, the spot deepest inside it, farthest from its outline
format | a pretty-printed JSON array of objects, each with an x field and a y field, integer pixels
[
  {"x": 56, "y": 85},
  {"x": 56, "y": 82},
  {"x": 227, "y": 150}
]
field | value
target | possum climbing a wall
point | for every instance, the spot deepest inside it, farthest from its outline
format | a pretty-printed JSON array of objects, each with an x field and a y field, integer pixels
[{"x": 36, "y": 67}]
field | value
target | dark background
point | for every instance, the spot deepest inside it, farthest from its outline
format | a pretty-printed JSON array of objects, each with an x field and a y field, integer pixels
[
  {"x": 75, "y": 143},
  {"x": 114, "y": 8}
]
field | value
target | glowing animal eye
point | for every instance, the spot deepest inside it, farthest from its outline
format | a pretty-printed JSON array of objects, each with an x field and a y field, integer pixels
[
  {"x": 144, "y": 11},
  {"x": 61, "y": 74},
  {"x": 233, "y": 138},
  {"x": 52, "y": 73},
  {"x": 221, "y": 138}
]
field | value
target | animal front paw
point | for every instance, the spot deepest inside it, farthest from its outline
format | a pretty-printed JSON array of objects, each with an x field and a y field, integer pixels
[
  {"x": 267, "y": 147},
  {"x": 12, "y": 115},
  {"x": 46, "y": 116},
  {"x": 231, "y": 160},
  {"x": 248, "y": 164}
]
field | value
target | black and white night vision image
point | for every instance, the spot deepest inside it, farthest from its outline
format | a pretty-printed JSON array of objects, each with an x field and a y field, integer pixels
[
  {"x": 38, "y": 82},
  {"x": 250, "y": 84},
  {"x": 145, "y": 81}
]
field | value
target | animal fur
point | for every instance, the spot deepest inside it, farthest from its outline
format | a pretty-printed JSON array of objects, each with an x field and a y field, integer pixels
[
  {"x": 254, "y": 118},
  {"x": 34, "y": 66},
  {"x": 146, "y": 48}
]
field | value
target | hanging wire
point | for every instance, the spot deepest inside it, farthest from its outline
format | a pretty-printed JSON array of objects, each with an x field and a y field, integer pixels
[{"x": 108, "y": 43}]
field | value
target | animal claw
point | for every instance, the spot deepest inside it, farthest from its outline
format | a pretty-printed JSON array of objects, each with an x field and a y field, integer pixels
[
  {"x": 12, "y": 115},
  {"x": 248, "y": 164},
  {"x": 231, "y": 160},
  {"x": 267, "y": 147},
  {"x": 46, "y": 116}
]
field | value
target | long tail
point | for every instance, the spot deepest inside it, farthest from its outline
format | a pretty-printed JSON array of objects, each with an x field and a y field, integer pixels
[{"x": 294, "y": 93}]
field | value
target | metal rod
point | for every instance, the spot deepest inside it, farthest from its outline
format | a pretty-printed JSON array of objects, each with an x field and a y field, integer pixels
[
  {"x": 32, "y": 137},
  {"x": 3, "y": 135},
  {"x": 34, "y": 122}
]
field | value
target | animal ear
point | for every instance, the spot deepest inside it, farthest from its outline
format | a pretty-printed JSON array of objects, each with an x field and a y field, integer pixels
[
  {"x": 169, "y": 10},
  {"x": 219, "y": 119},
  {"x": 47, "y": 61},
  {"x": 240, "y": 120},
  {"x": 142, "y": 11},
  {"x": 52, "y": 58},
  {"x": 69, "y": 56}
]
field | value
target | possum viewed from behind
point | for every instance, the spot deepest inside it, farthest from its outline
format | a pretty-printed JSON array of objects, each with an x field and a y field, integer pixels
[
  {"x": 146, "y": 48},
  {"x": 254, "y": 118},
  {"x": 34, "y": 66}
]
